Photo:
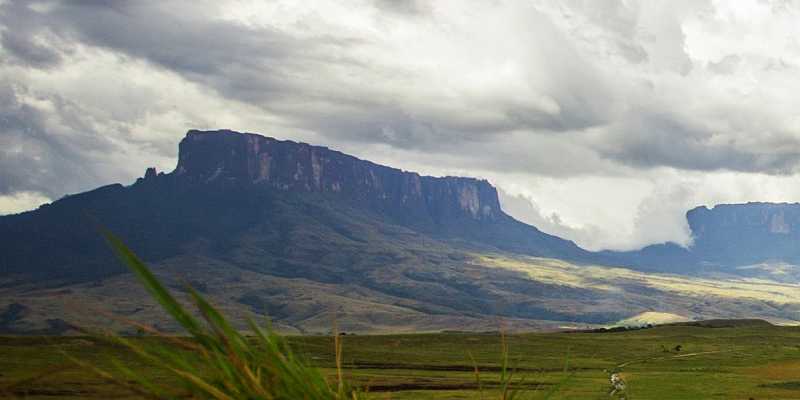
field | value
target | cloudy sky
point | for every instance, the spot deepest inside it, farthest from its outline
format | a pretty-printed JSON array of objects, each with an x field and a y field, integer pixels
[{"x": 600, "y": 121}]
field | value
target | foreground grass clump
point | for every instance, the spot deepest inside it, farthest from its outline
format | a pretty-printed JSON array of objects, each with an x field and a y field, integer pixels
[
  {"x": 732, "y": 362},
  {"x": 218, "y": 362}
]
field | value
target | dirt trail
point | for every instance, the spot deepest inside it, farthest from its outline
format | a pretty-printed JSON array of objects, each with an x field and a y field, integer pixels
[{"x": 625, "y": 364}]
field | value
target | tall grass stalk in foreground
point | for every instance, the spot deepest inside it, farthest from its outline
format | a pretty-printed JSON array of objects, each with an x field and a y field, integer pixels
[
  {"x": 218, "y": 362},
  {"x": 510, "y": 387}
]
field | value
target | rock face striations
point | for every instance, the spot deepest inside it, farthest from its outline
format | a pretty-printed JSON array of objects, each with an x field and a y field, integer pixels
[
  {"x": 228, "y": 184},
  {"x": 725, "y": 238},
  {"x": 288, "y": 229},
  {"x": 742, "y": 234},
  {"x": 218, "y": 156}
]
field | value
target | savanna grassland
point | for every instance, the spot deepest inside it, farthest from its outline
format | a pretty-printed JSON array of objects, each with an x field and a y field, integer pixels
[
  {"x": 726, "y": 358},
  {"x": 742, "y": 362}
]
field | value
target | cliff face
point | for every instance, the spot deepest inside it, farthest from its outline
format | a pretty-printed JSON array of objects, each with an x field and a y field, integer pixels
[
  {"x": 726, "y": 237},
  {"x": 218, "y": 156},
  {"x": 231, "y": 190},
  {"x": 740, "y": 234},
  {"x": 755, "y": 218}
]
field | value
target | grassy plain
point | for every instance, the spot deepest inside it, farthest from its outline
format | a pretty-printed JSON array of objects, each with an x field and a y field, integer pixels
[{"x": 743, "y": 362}]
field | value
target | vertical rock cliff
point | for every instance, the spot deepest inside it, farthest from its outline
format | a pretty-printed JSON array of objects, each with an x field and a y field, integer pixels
[
  {"x": 456, "y": 207},
  {"x": 219, "y": 156},
  {"x": 741, "y": 234},
  {"x": 725, "y": 238},
  {"x": 279, "y": 194}
]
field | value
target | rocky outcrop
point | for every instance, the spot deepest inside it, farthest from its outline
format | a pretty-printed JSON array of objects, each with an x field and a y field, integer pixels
[
  {"x": 742, "y": 234},
  {"x": 150, "y": 173},
  {"x": 235, "y": 193},
  {"x": 726, "y": 237},
  {"x": 755, "y": 218},
  {"x": 214, "y": 156}
]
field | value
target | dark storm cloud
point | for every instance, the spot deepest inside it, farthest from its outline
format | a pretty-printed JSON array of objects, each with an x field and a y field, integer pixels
[
  {"x": 314, "y": 81},
  {"x": 619, "y": 95},
  {"x": 574, "y": 72},
  {"x": 22, "y": 50},
  {"x": 323, "y": 83},
  {"x": 35, "y": 156},
  {"x": 26, "y": 38},
  {"x": 653, "y": 139},
  {"x": 150, "y": 30}
]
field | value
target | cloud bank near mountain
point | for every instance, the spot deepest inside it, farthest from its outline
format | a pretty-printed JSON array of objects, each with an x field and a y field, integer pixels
[{"x": 613, "y": 116}]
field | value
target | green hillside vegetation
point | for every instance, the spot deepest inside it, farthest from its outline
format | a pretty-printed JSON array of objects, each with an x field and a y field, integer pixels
[
  {"x": 312, "y": 231},
  {"x": 721, "y": 358},
  {"x": 466, "y": 291}
]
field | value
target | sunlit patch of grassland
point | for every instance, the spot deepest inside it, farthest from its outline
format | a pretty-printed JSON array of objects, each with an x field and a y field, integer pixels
[
  {"x": 777, "y": 370},
  {"x": 217, "y": 361},
  {"x": 758, "y": 361},
  {"x": 652, "y": 317},
  {"x": 613, "y": 279}
]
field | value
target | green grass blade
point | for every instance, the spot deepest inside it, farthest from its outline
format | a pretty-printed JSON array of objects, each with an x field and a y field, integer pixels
[{"x": 152, "y": 284}]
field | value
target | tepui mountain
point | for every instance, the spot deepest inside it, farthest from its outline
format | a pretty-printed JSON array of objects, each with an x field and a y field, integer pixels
[{"x": 288, "y": 230}]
